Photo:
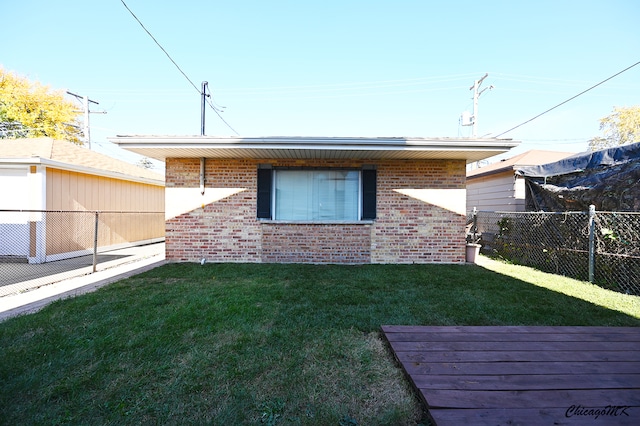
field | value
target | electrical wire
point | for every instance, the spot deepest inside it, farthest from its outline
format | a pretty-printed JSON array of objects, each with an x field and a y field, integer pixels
[
  {"x": 282, "y": 95},
  {"x": 176, "y": 65},
  {"x": 353, "y": 85},
  {"x": 362, "y": 85},
  {"x": 556, "y": 142},
  {"x": 160, "y": 46},
  {"x": 294, "y": 96},
  {"x": 549, "y": 81},
  {"x": 570, "y": 99}
]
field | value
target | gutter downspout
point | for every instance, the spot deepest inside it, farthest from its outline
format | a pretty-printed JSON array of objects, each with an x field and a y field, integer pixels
[
  {"x": 202, "y": 133},
  {"x": 202, "y": 167}
]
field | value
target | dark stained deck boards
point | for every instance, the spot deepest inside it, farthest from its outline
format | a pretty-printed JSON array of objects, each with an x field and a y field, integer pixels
[
  {"x": 520, "y": 375},
  {"x": 522, "y": 356}
]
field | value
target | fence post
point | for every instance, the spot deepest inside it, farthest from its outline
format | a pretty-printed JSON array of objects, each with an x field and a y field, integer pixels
[
  {"x": 592, "y": 242},
  {"x": 95, "y": 243},
  {"x": 475, "y": 223}
]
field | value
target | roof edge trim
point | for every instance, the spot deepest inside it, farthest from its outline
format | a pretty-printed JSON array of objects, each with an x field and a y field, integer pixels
[{"x": 80, "y": 169}]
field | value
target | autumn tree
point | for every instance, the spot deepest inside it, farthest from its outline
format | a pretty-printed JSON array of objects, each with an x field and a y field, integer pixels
[
  {"x": 621, "y": 127},
  {"x": 29, "y": 109}
]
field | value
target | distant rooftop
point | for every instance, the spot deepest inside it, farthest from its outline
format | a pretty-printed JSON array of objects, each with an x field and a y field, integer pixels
[
  {"x": 530, "y": 158},
  {"x": 69, "y": 156}
]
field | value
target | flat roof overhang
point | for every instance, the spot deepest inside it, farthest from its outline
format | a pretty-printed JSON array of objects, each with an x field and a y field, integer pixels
[{"x": 300, "y": 147}]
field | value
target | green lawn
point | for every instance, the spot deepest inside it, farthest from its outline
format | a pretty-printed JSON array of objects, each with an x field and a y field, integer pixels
[{"x": 257, "y": 344}]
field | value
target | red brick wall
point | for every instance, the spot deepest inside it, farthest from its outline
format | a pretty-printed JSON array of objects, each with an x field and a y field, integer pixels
[
  {"x": 406, "y": 230},
  {"x": 224, "y": 231},
  {"x": 316, "y": 243}
]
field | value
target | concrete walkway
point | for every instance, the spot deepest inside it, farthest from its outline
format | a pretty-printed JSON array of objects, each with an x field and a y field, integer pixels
[{"x": 131, "y": 261}]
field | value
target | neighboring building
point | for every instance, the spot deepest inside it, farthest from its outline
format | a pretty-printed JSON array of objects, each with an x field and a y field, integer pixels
[
  {"x": 496, "y": 187},
  {"x": 608, "y": 179},
  {"x": 316, "y": 200},
  {"x": 44, "y": 174}
]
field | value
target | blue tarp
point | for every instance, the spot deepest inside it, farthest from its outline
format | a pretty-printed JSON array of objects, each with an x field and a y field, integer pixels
[{"x": 608, "y": 179}]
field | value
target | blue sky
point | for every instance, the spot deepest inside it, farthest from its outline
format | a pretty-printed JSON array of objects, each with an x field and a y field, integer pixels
[{"x": 333, "y": 68}]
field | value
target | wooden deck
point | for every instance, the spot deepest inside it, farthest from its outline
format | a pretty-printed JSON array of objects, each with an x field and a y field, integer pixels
[{"x": 523, "y": 375}]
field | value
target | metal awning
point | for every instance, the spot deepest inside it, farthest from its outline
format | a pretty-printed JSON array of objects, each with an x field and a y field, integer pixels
[{"x": 300, "y": 147}]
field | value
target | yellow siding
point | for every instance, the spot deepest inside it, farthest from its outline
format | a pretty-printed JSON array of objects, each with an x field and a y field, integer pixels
[{"x": 80, "y": 192}]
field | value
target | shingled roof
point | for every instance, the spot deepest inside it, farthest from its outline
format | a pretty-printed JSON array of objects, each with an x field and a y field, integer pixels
[{"x": 66, "y": 155}]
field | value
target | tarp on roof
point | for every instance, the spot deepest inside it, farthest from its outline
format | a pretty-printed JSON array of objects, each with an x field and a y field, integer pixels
[
  {"x": 608, "y": 179},
  {"x": 526, "y": 159}
]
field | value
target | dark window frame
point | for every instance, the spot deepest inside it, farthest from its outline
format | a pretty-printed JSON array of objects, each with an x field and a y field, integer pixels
[{"x": 368, "y": 189}]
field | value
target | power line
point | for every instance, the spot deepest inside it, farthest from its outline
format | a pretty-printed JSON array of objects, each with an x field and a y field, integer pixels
[
  {"x": 369, "y": 85},
  {"x": 160, "y": 46},
  {"x": 374, "y": 84},
  {"x": 176, "y": 65},
  {"x": 570, "y": 99},
  {"x": 279, "y": 96},
  {"x": 357, "y": 85}
]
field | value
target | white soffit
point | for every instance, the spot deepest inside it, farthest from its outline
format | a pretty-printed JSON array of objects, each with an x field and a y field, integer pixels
[{"x": 163, "y": 147}]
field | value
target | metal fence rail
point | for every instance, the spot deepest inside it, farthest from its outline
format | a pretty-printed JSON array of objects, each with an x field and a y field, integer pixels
[
  {"x": 600, "y": 247},
  {"x": 38, "y": 247}
]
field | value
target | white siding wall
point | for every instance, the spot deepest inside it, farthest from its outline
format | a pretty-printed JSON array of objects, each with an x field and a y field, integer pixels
[
  {"x": 520, "y": 194},
  {"x": 20, "y": 189},
  {"x": 15, "y": 188},
  {"x": 499, "y": 192}
]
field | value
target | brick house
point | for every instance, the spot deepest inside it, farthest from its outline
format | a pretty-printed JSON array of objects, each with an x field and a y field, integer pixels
[{"x": 317, "y": 200}]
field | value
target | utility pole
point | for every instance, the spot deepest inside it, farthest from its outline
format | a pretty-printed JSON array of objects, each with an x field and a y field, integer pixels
[
  {"x": 205, "y": 86},
  {"x": 476, "y": 94},
  {"x": 85, "y": 109},
  {"x": 86, "y": 130}
]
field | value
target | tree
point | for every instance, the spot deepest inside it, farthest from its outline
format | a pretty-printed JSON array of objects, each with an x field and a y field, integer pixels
[
  {"x": 621, "y": 127},
  {"x": 32, "y": 110}
]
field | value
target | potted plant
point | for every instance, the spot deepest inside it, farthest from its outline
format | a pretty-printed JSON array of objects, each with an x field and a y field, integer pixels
[
  {"x": 473, "y": 244},
  {"x": 473, "y": 250}
]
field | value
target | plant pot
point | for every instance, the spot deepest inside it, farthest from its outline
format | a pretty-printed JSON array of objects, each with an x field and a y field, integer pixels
[{"x": 473, "y": 250}]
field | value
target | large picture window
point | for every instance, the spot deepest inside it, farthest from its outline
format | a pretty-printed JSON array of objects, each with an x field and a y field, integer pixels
[{"x": 316, "y": 194}]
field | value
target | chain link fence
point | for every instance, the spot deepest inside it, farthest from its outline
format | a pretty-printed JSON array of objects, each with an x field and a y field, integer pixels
[
  {"x": 39, "y": 247},
  {"x": 600, "y": 247},
  {"x": 618, "y": 251}
]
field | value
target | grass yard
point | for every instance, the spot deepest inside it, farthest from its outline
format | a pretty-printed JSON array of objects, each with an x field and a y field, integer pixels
[{"x": 236, "y": 344}]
